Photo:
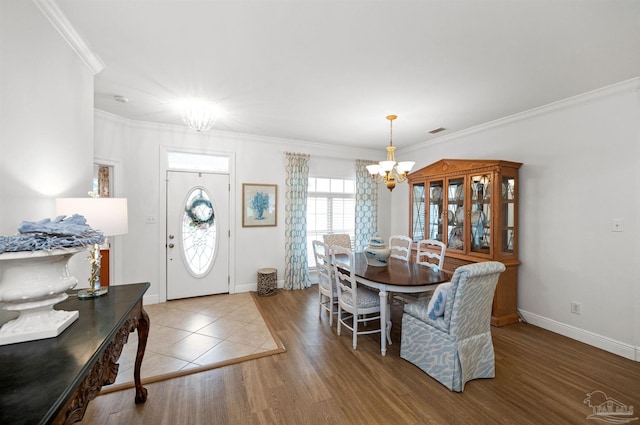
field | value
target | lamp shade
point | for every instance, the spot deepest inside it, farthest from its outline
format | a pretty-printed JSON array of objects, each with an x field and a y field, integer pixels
[
  {"x": 405, "y": 166},
  {"x": 387, "y": 165},
  {"x": 373, "y": 169},
  {"x": 109, "y": 215}
]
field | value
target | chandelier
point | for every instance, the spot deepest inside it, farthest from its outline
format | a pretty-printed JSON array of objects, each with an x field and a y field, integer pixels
[
  {"x": 390, "y": 171},
  {"x": 199, "y": 114}
]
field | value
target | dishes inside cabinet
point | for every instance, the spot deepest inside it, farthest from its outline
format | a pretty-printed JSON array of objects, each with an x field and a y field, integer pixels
[
  {"x": 460, "y": 215},
  {"x": 455, "y": 238},
  {"x": 459, "y": 193},
  {"x": 436, "y": 193},
  {"x": 477, "y": 217},
  {"x": 450, "y": 217},
  {"x": 487, "y": 191}
]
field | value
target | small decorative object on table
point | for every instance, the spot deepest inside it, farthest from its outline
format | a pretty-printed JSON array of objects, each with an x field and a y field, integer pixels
[
  {"x": 34, "y": 276},
  {"x": 377, "y": 253}
]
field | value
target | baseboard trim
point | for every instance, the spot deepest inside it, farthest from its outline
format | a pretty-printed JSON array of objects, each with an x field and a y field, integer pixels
[
  {"x": 253, "y": 287},
  {"x": 604, "y": 343},
  {"x": 150, "y": 299}
]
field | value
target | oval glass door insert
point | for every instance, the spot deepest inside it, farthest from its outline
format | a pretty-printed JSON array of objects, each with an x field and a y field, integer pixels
[{"x": 199, "y": 232}]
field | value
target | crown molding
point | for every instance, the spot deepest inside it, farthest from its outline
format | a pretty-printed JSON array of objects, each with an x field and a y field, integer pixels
[
  {"x": 60, "y": 22},
  {"x": 627, "y": 86},
  {"x": 337, "y": 151}
]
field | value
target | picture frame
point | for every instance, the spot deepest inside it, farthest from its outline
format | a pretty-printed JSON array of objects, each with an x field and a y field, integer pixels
[{"x": 259, "y": 205}]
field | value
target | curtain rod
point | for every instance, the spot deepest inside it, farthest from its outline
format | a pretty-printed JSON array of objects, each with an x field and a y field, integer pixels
[
  {"x": 329, "y": 157},
  {"x": 297, "y": 153}
]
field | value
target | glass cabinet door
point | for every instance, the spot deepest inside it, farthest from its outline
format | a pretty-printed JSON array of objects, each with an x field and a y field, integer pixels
[
  {"x": 417, "y": 212},
  {"x": 479, "y": 229},
  {"x": 436, "y": 201},
  {"x": 508, "y": 225},
  {"x": 455, "y": 213}
]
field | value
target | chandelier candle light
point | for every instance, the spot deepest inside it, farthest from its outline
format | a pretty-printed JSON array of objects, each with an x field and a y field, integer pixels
[{"x": 390, "y": 171}]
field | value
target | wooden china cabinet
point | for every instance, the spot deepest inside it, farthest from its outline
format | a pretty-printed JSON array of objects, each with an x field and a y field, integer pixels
[{"x": 472, "y": 207}]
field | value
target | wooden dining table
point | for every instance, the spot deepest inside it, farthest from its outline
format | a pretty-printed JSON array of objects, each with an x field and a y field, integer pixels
[{"x": 397, "y": 277}]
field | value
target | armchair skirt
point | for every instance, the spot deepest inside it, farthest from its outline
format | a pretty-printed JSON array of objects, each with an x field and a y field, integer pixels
[{"x": 438, "y": 355}]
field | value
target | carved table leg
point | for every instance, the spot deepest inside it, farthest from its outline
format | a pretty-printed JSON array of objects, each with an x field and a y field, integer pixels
[{"x": 143, "y": 334}]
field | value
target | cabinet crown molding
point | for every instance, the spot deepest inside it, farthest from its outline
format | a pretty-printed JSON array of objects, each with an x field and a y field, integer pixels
[{"x": 446, "y": 167}]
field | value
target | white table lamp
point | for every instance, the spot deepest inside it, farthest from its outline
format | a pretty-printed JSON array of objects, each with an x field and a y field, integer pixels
[{"x": 109, "y": 215}]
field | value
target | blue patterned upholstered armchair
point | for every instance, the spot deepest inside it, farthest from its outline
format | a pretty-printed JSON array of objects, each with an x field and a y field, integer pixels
[{"x": 454, "y": 347}]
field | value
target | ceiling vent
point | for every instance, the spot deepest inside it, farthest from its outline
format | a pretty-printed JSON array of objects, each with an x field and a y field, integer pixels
[{"x": 437, "y": 130}]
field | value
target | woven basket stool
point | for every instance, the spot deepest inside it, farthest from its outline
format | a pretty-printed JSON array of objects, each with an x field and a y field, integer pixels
[{"x": 267, "y": 282}]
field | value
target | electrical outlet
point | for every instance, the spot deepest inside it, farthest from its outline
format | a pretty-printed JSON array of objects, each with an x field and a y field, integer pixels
[
  {"x": 575, "y": 307},
  {"x": 150, "y": 219}
]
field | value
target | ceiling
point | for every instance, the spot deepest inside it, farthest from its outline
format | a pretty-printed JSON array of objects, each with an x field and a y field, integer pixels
[{"x": 330, "y": 71}]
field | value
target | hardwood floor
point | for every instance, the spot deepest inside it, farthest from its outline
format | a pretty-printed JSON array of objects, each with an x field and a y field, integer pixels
[{"x": 541, "y": 378}]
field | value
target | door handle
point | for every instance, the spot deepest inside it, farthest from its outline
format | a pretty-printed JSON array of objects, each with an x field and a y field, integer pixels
[{"x": 171, "y": 245}]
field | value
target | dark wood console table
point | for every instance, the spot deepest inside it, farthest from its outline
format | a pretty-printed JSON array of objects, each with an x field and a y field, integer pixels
[{"x": 51, "y": 381}]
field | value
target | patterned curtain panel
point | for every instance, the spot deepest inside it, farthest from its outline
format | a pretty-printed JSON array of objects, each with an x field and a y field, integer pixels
[
  {"x": 296, "y": 272},
  {"x": 366, "y": 205}
]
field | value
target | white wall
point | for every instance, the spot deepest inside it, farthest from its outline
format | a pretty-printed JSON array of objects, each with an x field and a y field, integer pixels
[
  {"x": 257, "y": 160},
  {"x": 581, "y": 170},
  {"x": 46, "y": 117},
  {"x": 46, "y": 120}
]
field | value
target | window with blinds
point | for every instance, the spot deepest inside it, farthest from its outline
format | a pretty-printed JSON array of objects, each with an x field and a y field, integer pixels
[{"x": 331, "y": 208}]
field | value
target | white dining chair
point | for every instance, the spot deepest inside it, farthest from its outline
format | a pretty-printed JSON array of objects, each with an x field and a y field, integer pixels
[
  {"x": 431, "y": 253},
  {"x": 400, "y": 247},
  {"x": 327, "y": 293},
  {"x": 362, "y": 305},
  {"x": 339, "y": 239}
]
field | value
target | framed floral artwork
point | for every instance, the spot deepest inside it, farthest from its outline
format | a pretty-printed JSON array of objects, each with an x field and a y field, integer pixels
[{"x": 259, "y": 205}]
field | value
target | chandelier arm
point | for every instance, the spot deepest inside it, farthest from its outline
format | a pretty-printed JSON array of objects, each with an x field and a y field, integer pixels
[
  {"x": 401, "y": 177},
  {"x": 378, "y": 178}
]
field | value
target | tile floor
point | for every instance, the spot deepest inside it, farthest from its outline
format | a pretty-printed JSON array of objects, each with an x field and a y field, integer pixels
[{"x": 196, "y": 332}]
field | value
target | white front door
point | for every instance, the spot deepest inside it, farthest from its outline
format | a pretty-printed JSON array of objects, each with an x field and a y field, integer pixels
[{"x": 197, "y": 234}]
